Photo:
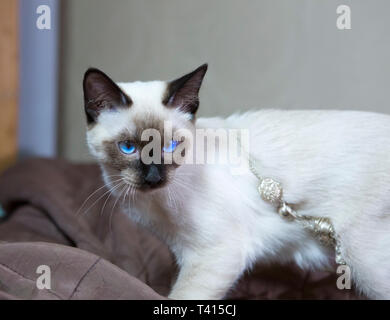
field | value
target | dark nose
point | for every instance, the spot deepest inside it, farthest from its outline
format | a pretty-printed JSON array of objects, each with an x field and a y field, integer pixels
[{"x": 153, "y": 176}]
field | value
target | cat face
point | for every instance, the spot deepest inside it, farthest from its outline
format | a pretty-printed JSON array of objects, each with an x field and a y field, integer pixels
[{"x": 134, "y": 129}]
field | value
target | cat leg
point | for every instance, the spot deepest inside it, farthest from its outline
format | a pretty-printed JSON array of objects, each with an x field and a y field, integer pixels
[
  {"x": 367, "y": 246},
  {"x": 208, "y": 273}
]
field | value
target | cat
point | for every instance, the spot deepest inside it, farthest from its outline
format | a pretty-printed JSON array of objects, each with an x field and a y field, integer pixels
[{"x": 333, "y": 164}]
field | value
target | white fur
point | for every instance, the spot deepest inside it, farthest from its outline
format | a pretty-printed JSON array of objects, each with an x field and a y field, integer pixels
[{"x": 331, "y": 163}]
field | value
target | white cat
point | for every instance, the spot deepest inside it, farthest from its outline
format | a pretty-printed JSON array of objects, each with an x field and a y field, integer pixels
[{"x": 333, "y": 164}]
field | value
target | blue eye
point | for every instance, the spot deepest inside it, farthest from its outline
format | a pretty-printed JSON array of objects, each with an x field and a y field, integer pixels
[
  {"x": 126, "y": 147},
  {"x": 171, "y": 147}
]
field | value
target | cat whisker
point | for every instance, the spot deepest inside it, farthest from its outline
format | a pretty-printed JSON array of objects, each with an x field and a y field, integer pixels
[
  {"x": 112, "y": 210},
  {"x": 131, "y": 200},
  {"x": 104, "y": 205},
  {"x": 178, "y": 199},
  {"x": 169, "y": 197},
  {"x": 126, "y": 193},
  {"x": 173, "y": 202},
  {"x": 114, "y": 175},
  {"x": 133, "y": 191},
  {"x": 86, "y": 200},
  {"x": 184, "y": 184},
  {"x": 109, "y": 193}
]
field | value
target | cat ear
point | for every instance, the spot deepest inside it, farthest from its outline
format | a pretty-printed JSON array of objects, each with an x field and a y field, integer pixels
[
  {"x": 100, "y": 94},
  {"x": 183, "y": 92}
]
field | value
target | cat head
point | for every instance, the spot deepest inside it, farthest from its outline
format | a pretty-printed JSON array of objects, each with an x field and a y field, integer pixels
[{"x": 127, "y": 126}]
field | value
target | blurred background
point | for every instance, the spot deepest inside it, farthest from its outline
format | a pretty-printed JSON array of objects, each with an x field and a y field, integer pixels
[{"x": 261, "y": 54}]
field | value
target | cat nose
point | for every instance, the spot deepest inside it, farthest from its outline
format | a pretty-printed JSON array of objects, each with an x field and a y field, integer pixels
[{"x": 153, "y": 176}]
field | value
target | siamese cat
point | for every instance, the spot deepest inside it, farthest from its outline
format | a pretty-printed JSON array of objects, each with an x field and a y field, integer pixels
[{"x": 333, "y": 164}]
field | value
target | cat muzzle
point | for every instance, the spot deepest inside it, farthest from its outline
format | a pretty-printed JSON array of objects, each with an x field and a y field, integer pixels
[{"x": 153, "y": 176}]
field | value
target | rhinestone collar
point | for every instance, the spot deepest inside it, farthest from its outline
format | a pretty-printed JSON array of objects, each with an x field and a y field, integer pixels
[{"x": 271, "y": 191}]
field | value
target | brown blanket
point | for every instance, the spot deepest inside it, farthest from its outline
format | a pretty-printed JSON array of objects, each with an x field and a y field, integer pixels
[{"x": 95, "y": 252}]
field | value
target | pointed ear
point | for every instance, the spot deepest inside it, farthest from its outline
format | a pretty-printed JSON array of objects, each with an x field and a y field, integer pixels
[
  {"x": 183, "y": 92},
  {"x": 100, "y": 94}
]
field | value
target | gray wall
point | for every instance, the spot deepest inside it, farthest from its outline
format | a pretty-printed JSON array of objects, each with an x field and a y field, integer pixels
[
  {"x": 273, "y": 53},
  {"x": 38, "y": 80}
]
